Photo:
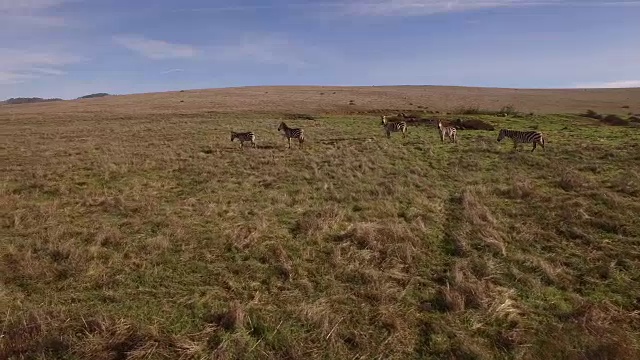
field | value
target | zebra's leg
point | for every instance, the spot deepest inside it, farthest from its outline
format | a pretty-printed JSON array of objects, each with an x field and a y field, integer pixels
[
  {"x": 534, "y": 146},
  {"x": 388, "y": 134},
  {"x": 301, "y": 142},
  {"x": 289, "y": 140},
  {"x": 542, "y": 144},
  {"x": 241, "y": 144},
  {"x": 404, "y": 133},
  {"x": 515, "y": 145}
]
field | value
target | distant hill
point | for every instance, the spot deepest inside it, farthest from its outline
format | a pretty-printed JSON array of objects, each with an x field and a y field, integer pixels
[
  {"x": 320, "y": 100},
  {"x": 14, "y": 101},
  {"x": 97, "y": 95}
]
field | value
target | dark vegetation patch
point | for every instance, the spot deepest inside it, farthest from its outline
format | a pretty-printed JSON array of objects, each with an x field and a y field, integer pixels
[
  {"x": 96, "y": 95},
  {"x": 615, "y": 120},
  {"x": 296, "y": 116},
  {"x": 21, "y": 100}
]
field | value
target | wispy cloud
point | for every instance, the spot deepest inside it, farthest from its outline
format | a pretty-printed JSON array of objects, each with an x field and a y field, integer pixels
[
  {"x": 31, "y": 13},
  {"x": 47, "y": 71},
  {"x": 610, "y": 84},
  {"x": 21, "y": 65},
  {"x": 270, "y": 49},
  {"x": 428, "y": 7},
  {"x": 155, "y": 49},
  {"x": 11, "y": 78},
  {"x": 21, "y": 5},
  {"x": 172, "y": 71}
]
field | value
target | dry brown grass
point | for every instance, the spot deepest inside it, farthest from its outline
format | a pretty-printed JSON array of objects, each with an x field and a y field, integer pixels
[
  {"x": 308, "y": 99},
  {"x": 149, "y": 235}
]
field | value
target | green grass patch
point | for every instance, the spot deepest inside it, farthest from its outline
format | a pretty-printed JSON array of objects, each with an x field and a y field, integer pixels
[{"x": 157, "y": 237}]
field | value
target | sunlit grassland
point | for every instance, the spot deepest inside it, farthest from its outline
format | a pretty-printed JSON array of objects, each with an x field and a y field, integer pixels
[{"x": 156, "y": 236}]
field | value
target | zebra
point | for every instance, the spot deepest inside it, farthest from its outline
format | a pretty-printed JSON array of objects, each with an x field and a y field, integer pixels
[
  {"x": 448, "y": 131},
  {"x": 524, "y": 137},
  {"x": 290, "y": 133},
  {"x": 394, "y": 126},
  {"x": 244, "y": 136}
]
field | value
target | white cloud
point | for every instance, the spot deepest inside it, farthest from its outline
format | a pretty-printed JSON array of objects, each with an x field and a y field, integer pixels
[
  {"x": 21, "y": 65},
  {"x": 172, "y": 71},
  {"x": 47, "y": 71},
  {"x": 263, "y": 49},
  {"x": 419, "y": 7},
  {"x": 155, "y": 49},
  {"x": 18, "y": 5},
  {"x": 11, "y": 78},
  {"x": 428, "y": 7},
  {"x": 30, "y": 13},
  {"x": 610, "y": 84}
]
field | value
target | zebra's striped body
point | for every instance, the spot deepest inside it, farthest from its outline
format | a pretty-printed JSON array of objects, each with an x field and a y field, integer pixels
[
  {"x": 394, "y": 126},
  {"x": 292, "y": 133},
  {"x": 244, "y": 136},
  {"x": 524, "y": 137},
  {"x": 448, "y": 131}
]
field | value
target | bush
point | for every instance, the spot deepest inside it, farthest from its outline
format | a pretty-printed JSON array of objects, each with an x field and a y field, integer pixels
[
  {"x": 97, "y": 95},
  {"x": 472, "y": 111},
  {"x": 299, "y": 117},
  {"x": 473, "y": 124},
  {"x": 615, "y": 120},
  {"x": 508, "y": 110},
  {"x": 592, "y": 115}
]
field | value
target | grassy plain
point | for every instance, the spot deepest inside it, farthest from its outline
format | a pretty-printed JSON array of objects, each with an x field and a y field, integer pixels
[{"x": 151, "y": 236}]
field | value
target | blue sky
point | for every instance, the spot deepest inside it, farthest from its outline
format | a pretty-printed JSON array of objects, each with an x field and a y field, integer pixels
[{"x": 69, "y": 48}]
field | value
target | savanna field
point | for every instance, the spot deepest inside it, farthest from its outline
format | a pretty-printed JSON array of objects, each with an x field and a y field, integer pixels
[{"x": 137, "y": 231}]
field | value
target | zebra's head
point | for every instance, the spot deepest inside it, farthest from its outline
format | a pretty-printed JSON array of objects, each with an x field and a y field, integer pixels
[
  {"x": 501, "y": 135},
  {"x": 439, "y": 124},
  {"x": 233, "y": 135},
  {"x": 281, "y": 126},
  {"x": 383, "y": 118}
]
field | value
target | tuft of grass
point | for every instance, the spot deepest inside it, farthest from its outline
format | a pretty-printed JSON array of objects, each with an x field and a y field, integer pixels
[{"x": 508, "y": 110}]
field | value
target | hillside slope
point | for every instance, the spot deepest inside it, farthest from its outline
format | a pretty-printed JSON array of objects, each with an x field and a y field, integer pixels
[{"x": 336, "y": 100}]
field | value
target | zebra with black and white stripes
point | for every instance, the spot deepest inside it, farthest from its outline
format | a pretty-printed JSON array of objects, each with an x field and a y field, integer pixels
[
  {"x": 244, "y": 136},
  {"x": 523, "y": 137},
  {"x": 448, "y": 131},
  {"x": 292, "y": 133},
  {"x": 394, "y": 126}
]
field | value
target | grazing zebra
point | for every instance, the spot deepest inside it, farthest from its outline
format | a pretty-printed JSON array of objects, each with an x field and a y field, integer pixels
[
  {"x": 394, "y": 126},
  {"x": 290, "y": 133},
  {"x": 448, "y": 131},
  {"x": 244, "y": 136},
  {"x": 524, "y": 137}
]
